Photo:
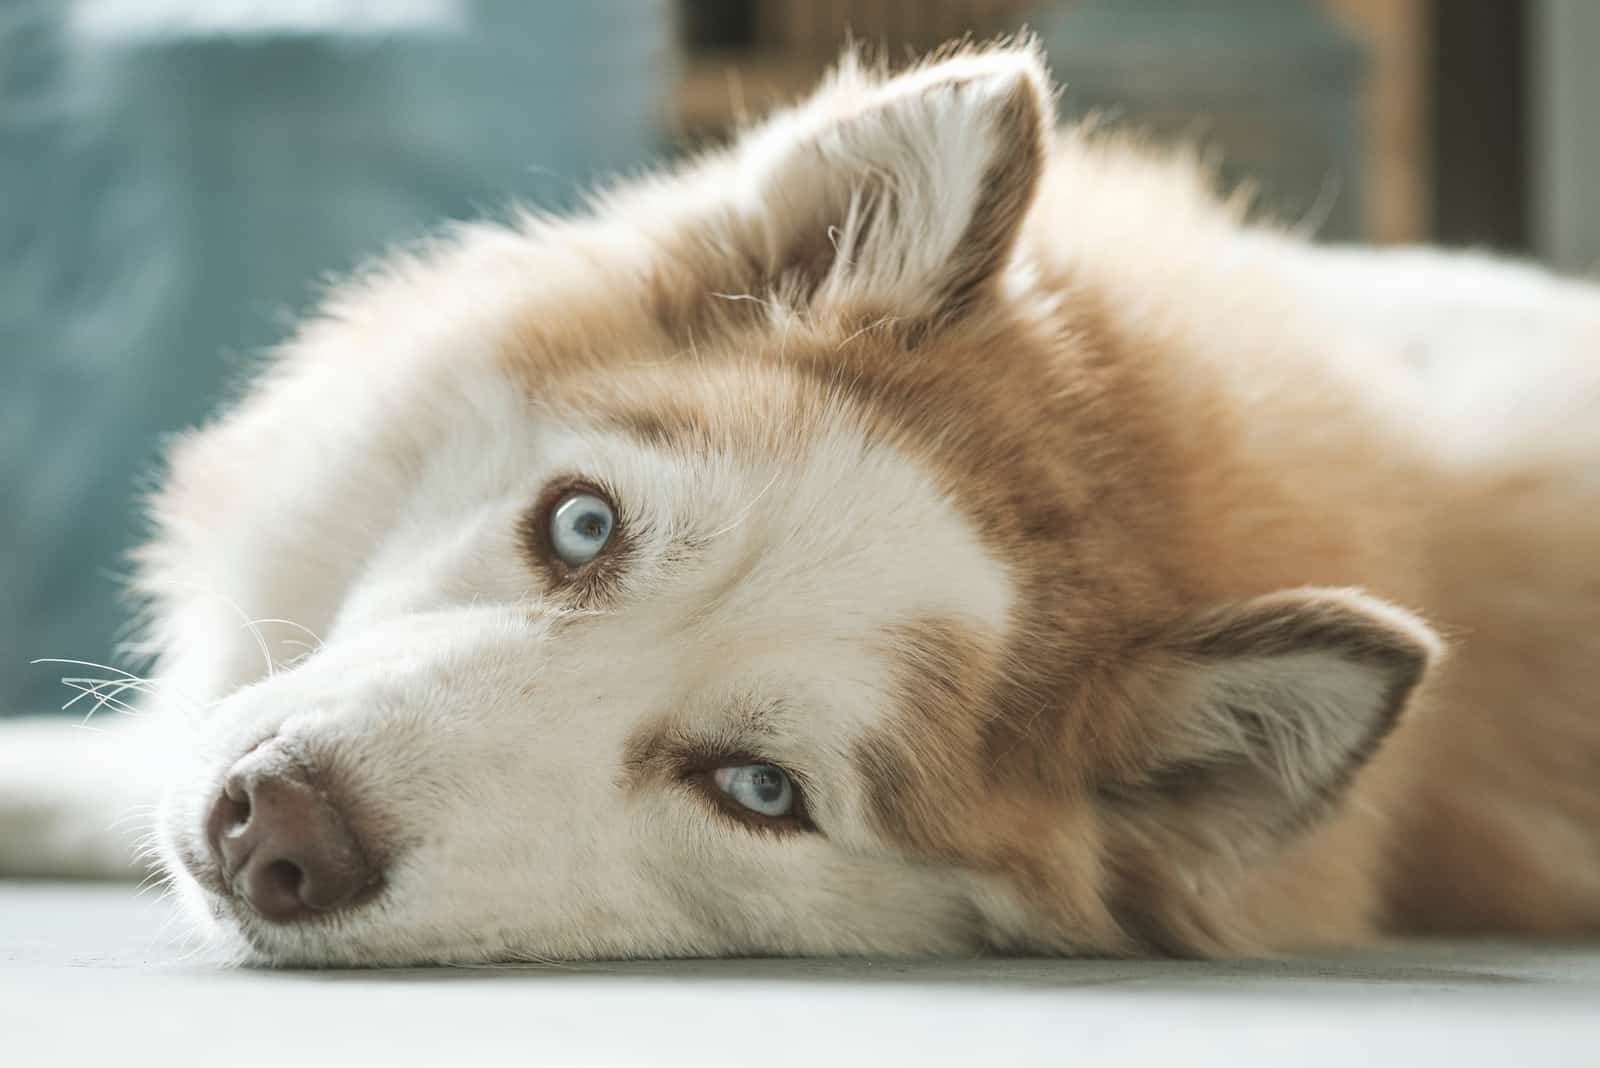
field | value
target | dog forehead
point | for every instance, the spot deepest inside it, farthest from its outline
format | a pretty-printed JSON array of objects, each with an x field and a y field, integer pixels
[{"x": 802, "y": 507}]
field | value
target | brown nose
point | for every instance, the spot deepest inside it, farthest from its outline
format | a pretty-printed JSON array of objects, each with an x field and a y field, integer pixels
[{"x": 285, "y": 849}]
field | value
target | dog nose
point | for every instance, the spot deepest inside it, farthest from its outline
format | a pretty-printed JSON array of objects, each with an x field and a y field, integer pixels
[{"x": 283, "y": 845}]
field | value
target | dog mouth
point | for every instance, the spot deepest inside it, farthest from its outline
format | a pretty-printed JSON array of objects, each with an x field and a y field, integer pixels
[{"x": 243, "y": 937}]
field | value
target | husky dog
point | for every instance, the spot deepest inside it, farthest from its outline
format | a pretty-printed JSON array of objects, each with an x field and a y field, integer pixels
[{"x": 913, "y": 529}]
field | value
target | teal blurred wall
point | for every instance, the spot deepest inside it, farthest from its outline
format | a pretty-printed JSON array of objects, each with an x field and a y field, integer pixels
[{"x": 175, "y": 177}]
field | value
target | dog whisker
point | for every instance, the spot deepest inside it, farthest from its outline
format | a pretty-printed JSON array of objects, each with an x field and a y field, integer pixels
[
  {"x": 155, "y": 688},
  {"x": 316, "y": 639},
  {"x": 103, "y": 699},
  {"x": 247, "y": 622}
]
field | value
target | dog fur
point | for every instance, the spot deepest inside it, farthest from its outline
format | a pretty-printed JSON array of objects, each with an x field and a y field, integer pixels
[{"x": 1115, "y": 574}]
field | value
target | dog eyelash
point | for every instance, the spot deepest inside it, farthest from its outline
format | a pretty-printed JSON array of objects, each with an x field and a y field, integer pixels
[
  {"x": 595, "y": 580},
  {"x": 699, "y": 775}
]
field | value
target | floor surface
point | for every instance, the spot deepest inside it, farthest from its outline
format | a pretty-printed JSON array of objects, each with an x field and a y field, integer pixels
[{"x": 95, "y": 975}]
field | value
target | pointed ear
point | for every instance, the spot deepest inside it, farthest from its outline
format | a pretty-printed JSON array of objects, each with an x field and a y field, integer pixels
[
  {"x": 906, "y": 194},
  {"x": 1262, "y": 713}
]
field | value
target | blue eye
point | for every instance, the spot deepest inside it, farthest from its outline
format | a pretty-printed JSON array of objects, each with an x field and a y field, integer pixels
[
  {"x": 761, "y": 788},
  {"x": 580, "y": 526}
]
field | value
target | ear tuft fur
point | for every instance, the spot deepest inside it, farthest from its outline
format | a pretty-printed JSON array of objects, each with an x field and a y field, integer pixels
[
  {"x": 907, "y": 193},
  {"x": 1266, "y": 710}
]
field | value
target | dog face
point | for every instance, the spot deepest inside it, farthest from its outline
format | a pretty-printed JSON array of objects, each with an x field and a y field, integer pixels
[
  {"x": 775, "y": 562},
  {"x": 534, "y": 748}
]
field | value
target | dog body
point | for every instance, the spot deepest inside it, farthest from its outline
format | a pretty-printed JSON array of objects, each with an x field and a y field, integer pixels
[{"x": 1068, "y": 557}]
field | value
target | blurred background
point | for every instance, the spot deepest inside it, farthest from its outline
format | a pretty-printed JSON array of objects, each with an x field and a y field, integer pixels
[{"x": 178, "y": 176}]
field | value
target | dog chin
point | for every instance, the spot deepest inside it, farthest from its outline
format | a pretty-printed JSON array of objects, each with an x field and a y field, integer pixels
[
  {"x": 228, "y": 933},
  {"x": 232, "y": 936}
]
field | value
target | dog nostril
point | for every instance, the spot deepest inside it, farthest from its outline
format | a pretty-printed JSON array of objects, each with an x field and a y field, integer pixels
[
  {"x": 287, "y": 875},
  {"x": 237, "y": 790},
  {"x": 226, "y": 823},
  {"x": 275, "y": 889},
  {"x": 235, "y": 813}
]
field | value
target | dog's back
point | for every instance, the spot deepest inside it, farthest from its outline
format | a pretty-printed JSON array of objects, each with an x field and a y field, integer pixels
[{"x": 1421, "y": 424}]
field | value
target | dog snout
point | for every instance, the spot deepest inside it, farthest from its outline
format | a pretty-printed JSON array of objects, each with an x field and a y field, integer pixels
[{"x": 285, "y": 848}]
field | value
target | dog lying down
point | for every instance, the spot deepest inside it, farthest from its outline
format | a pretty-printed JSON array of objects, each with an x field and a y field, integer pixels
[{"x": 911, "y": 530}]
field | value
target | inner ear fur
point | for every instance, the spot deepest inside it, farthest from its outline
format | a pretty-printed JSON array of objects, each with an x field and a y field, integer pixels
[
  {"x": 907, "y": 193},
  {"x": 1255, "y": 718}
]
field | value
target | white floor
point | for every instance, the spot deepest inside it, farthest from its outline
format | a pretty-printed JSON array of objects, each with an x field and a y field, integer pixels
[{"x": 93, "y": 975}]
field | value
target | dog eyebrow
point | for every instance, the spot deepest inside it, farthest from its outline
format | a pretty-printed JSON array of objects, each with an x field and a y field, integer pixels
[
  {"x": 661, "y": 428},
  {"x": 664, "y": 751}
]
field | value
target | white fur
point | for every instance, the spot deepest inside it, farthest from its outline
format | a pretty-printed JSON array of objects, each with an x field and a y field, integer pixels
[{"x": 1497, "y": 354}]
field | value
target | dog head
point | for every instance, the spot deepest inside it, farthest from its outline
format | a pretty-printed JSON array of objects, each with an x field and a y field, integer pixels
[{"x": 782, "y": 558}]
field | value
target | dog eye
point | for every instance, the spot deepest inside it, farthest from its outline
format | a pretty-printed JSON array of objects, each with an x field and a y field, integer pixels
[
  {"x": 580, "y": 526},
  {"x": 762, "y": 788}
]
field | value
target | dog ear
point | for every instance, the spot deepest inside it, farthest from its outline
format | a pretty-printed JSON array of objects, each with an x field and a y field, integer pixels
[
  {"x": 907, "y": 194},
  {"x": 1259, "y": 716}
]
